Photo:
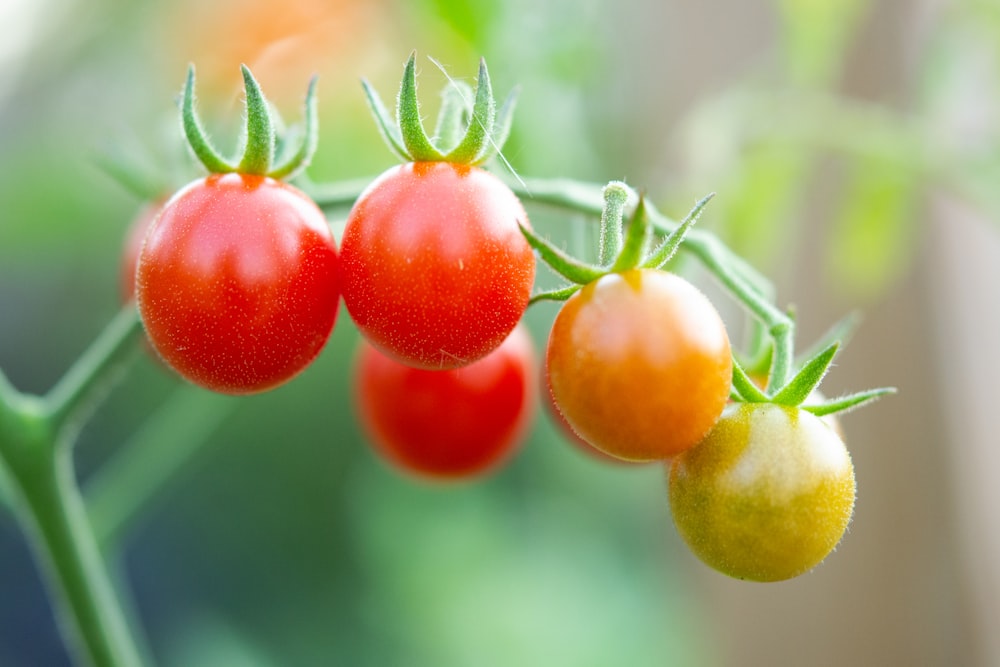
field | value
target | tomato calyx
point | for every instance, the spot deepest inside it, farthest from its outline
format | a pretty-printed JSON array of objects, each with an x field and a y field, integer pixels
[
  {"x": 803, "y": 384},
  {"x": 265, "y": 152},
  {"x": 620, "y": 249},
  {"x": 469, "y": 130}
]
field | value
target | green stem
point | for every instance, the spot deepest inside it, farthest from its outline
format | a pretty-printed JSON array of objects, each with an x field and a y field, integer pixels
[
  {"x": 51, "y": 512},
  {"x": 37, "y": 460},
  {"x": 96, "y": 369}
]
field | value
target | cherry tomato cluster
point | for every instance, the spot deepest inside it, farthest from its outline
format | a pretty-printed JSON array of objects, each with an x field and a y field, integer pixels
[{"x": 238, "y": 282}]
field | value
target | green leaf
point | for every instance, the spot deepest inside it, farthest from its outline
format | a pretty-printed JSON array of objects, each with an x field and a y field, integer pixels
[
  {"x": 565, "y": 265},
  {"x": 203, "y": 149},
  {"x": 259, "y": 151},
  {"x": 411, "y": 127},
  {"x": 848, "y": 402},
  {"x": 480, "y": 128},
  {"x": 807, "y": 379}
]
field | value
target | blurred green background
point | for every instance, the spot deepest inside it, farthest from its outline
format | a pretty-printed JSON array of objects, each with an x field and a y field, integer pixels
[{"x": 853, "y": 147}]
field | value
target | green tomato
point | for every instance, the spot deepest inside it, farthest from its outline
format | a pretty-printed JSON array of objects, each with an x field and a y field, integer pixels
[{"x": 766, "y": 495}]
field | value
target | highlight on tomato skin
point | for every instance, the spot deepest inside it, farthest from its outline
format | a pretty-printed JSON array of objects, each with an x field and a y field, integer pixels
[
  {"x": 237, "y": 283},
  {"x": 451, "y": 424},
  {"x": 436, "y": 272},
  {"x": 640, "y": 364},
  {"x": 766, "y": 496}
]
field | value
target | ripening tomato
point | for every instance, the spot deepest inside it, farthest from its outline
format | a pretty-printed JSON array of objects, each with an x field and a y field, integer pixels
[
  {"x": 767, "y": 495},
  {"x": 237, "y": 283},
  {"x": 569, "y": 434},
  {"x": 639, "y": 364},
  {"x": 435, "y": 270},
  {"x": 453, "y": 423}
]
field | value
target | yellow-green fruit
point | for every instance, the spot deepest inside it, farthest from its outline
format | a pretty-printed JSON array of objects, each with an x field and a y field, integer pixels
[{"x": 766, "y": 495}]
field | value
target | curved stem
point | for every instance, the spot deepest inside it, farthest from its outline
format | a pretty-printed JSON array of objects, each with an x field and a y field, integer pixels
[
  {"x": 37, "y": 460},
  {"x": 89, "y": 614},
  {"x": 95, "y": 369}
]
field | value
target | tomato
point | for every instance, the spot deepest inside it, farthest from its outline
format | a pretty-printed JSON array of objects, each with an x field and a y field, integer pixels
[
  {"x": 237, "y": 283},
  {"x": 767, "y": 495},
  {"x": 435, "y": 270},
  {"x": 569, "y": 434},
  {"x": 639, "y": 364},
  {"x": 453, "y": 423}
]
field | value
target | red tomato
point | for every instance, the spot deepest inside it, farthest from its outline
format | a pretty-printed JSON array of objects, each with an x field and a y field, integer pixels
[
  {"x": 453, "y": 423},
  {"x": 639, "y": 364},
  {"x": 237, "y": 283},
  {"x": 435, "y": 270}
]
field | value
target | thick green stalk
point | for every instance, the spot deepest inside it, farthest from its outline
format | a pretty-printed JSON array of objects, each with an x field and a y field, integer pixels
[
  {"x": 52, "y": 515},
  {"x": 37, "y": 460}
]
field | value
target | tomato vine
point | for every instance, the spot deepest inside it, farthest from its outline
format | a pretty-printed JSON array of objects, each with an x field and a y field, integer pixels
[{"x": 216, "y": 339}]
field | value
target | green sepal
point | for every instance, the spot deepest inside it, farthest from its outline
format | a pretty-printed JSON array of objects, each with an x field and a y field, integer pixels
[
  {"x": 203, "y": 149},
  {"x": 418, "y": 146},
  {"x": 744, "y": 388},
  {"x": 386, "y": 125},
  {"x": 479, "y": 131},
  {"x": 797, "y": 390},
  {"x": 849, "y": 402},
  {"x": 666, "y": 250},
  {"x": 568, "y": 267},
  {"x": 636, "y": 238},
  {"x": 259, "y": 150},
  {"x": 560, "y": 294},
  {"x": 469, "y": 130},
  {"x": 296, "y": 162},
  {"x": 454, "y": 114}
]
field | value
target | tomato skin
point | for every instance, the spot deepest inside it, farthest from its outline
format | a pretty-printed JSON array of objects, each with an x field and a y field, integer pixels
[
  {"x": 237, "y": 283},
  {"x": 435, "y": 270},
  {"x": 767, "y": 495},
  {"x": 639, "y": 364},
  {"x": 449, "y": 424},
  {"x": 569, "y": 434}
]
